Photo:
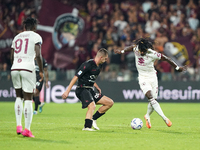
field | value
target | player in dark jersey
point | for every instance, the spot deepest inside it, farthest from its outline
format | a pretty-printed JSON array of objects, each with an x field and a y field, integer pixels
[
  {"x": 86, "y": 76},
  {"x": 39, "y": 85}
]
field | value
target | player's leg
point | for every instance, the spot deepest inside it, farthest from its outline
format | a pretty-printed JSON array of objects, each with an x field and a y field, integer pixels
[
  {"x": 36, "y": 100},
  {"x": 154, "y": 93},
  {"x": 28, "y": 113},
  {"x": 39, "y": 85},
  {"x": 88, "y": 119},
  {"x": 106, "y": 103},
  {"x": 147, "y": 115},
  {"x": 157, "y": 108},
  {"x": 87, "y": 102},
  {"x": 145, "y": 86},
  {"x": 28, "y": 86},
  {"x": 19, "y": 101},
  {"x": 19, "y": 109},
  {"x": 149, "y": 109}
]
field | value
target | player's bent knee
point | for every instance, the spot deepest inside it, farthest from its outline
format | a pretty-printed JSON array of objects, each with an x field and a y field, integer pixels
[
  {"x": 111, "y": 103},
  {"x": 92, "y": 106}
]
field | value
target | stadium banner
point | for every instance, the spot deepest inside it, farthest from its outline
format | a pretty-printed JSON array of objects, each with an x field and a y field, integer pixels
[
  {"x": 63, "y": 30},
  {"x": 6, "y": 37},
  {"x": 174, "y": 91}
]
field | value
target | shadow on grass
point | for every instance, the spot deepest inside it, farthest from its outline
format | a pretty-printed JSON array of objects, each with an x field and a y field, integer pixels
[
  {"x": 49, "y": 141},
  {"x": 171, "y": 132},
  {"x": 15, "y": 136}
]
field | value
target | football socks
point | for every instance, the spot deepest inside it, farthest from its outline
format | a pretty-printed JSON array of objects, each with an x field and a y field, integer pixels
[
  {"x": 157, "y": 108},
  {"x": 28, "y": 113},
  {"x": 97, "y": 115},
  {"x": 18, "y": 110},
  {"x": 149, "y": 110},
  {"x": 88, "y": 123}
]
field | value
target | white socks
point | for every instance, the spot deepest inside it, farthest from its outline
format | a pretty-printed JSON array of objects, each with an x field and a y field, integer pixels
[
  {"x": 157, "y": 108},
  {"x": 149, "y": 110},
  {"x": 18, "y": 110},
  {"x": 28, "y": 113}
]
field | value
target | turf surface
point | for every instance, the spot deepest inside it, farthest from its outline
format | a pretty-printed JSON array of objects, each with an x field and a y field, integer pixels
[{"x": 59, "y": 127}]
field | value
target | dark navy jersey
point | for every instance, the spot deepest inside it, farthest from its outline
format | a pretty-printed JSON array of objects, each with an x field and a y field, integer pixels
[
  {"x": 37, "y": 70},
  {"x": 87, "y": 73}
]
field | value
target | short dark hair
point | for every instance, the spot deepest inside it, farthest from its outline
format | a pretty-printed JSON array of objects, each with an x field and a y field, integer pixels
[
  {"x": 30, "y": 23},
  {"x": 103, "y": 52},
  {"x": 144, "y": 44}
]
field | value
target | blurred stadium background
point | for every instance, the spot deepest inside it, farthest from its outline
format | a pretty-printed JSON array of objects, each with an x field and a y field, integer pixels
[{"x": 73, "y": 31}]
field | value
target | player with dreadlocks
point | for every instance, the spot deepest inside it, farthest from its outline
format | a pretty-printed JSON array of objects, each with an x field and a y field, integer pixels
[{"x": 145, "y": 58}]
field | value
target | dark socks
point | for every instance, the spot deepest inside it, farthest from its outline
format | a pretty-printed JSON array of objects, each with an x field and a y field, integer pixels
[
  {"x": 88, "y": 123},
  {"x": 37, "y": 102},
  {"x": 97, "y": 115}
]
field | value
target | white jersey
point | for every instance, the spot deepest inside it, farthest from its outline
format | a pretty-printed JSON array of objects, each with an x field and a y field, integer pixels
[
  {"x": 24, "y": 50},
  {"x": 145, "y": 64}
]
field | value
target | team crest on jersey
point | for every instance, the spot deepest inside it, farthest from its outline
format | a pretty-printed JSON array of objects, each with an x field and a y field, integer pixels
[
  {"x": 19, "y": 60},
  {"x": 141, "y": 61},
  {"x": 67, "y": 28}
]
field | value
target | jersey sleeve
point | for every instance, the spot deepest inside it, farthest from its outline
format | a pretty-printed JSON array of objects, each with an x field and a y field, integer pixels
[
  {"x": 82, "y": 69},
  {"x": 135, "y": 48},
  {"x": 155, "y": 55},
  {"x": 38, "y": 39}
]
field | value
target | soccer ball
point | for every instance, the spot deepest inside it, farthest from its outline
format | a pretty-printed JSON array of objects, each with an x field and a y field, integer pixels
[{"x": 136, "y": 123}]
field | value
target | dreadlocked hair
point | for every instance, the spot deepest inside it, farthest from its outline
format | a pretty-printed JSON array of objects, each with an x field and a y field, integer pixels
[
  {"x": 29, "y": 23},
  {"x": 144, "y": 44}
]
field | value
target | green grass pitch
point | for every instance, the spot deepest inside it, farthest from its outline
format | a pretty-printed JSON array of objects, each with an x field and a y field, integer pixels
[{"x": 59, "y": 127}]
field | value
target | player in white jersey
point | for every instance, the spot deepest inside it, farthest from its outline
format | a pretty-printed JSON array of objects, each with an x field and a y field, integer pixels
[
  {"x": 25, "y": 47},
  {"x": 145, "y": 58}
]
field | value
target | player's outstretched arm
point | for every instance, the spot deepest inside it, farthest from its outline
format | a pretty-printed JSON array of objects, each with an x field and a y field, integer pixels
[
  {"x": 127, "y": 49},
  {"x": 171, "y": 62},
  {"x": 66, "y": 93}
]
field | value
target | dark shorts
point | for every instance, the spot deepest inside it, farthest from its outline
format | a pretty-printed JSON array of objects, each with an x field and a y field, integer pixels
[
  {"x": 87, "y": 95},
  {"x": 39, "y": 84}
]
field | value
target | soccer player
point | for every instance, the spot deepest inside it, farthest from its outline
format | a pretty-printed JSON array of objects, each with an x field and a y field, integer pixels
[
  {"x": 145, "y": 58},
  {"x": 39, "y": 85},
  {"x": 25, "y": 47},
  {"x": 86, "y": 75}
]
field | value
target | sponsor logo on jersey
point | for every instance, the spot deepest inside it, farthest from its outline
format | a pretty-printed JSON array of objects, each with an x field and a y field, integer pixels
[{"x": 80, "y": 72}]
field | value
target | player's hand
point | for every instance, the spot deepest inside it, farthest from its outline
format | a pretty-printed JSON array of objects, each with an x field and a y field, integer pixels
[
  {"x": 182, "y": 69},
  {"x": 41, "y": 76},
  {"x": 117, "y": 51},
  {"x": 99, "y": 90},
  {"x": 65, "y": 95}
]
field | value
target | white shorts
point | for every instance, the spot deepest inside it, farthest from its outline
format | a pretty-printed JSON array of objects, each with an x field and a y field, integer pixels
[
  {"x": 25, "y": 80},
  {"x": 149, "y": 84}
]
